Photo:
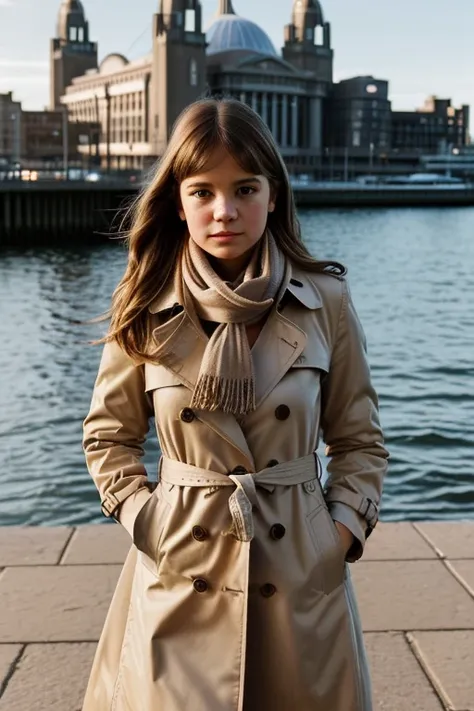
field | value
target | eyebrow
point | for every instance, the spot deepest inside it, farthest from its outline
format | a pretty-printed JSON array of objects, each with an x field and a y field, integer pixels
[{"x": 244, "y": 181}]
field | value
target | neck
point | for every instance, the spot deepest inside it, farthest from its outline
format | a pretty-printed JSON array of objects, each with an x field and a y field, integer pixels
[{"x": 229, "y": 269}]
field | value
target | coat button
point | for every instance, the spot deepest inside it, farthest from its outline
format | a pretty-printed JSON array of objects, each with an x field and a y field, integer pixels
[
  {"x": 200, "y": 585},
  {"x": 187, "y": 415},
  {"x": 200, "y": 533},
  {"x": 268, "y": 590},
  {"x": 277, "y": 531},
  {"x": 282, "y": 412},
  {"x": 273, "y": 463},
  {"x": 239, "y": 470},
  {"x": 309, "y": 487}
]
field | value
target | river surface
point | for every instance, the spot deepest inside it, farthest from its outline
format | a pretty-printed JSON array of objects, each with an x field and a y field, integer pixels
[{"x": 412, "y": 278}]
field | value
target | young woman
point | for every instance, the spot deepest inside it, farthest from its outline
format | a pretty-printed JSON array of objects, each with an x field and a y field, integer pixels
[{"x": 236, "y": 594}]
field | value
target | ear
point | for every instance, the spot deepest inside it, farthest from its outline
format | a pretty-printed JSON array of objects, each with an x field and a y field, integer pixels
[
  {"x": 181, "y": 214},
  {"x": 272, "y": 200}
]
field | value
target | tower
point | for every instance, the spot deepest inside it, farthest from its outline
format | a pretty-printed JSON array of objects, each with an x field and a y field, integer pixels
[
  {"x": 178, "y": 66},
  {"x": 308, "y": 40},
  {"x": 308, "y": 48},
  {"x": 225, "y": 8},
  {"x": 71, "y": 53}
]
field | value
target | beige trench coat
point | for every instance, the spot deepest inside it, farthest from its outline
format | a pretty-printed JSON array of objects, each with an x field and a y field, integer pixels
[{"x": 235, "y": 595}]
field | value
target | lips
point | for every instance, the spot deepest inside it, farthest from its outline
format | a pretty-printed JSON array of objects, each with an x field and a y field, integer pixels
[{"x": 226, "y": 234}]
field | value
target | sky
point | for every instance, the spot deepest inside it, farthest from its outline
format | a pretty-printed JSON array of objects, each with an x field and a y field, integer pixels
[{"x": 421, "y": 47}]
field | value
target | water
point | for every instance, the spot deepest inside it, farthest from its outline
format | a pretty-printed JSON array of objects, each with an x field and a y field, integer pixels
[{"x": 412, "y": 278}]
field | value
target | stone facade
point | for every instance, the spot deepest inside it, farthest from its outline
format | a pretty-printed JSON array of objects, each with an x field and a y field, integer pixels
[{"x": 136, "y": 102}]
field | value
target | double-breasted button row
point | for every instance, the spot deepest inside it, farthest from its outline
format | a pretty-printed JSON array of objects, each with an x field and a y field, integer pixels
[
  {"x": 201, "y": 586},
  {"x": 187, "y": 415}
]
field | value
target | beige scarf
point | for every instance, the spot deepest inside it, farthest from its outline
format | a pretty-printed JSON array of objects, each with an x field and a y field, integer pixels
[{"x": 226, "y": 378}]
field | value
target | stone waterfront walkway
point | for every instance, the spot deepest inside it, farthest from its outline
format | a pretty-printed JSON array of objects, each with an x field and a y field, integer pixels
[{"x": 416, "y": 594}]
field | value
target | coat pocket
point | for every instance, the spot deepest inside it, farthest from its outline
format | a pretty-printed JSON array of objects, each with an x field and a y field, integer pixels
[
  {"x": 329, "y": 564},
  {"x": 149, "y": 529}
]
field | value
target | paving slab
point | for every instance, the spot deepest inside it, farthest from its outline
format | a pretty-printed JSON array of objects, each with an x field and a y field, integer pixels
[
  {"x": 397, "y": 679},
  {"x": 450, "y": 659},
  {"x": 98, "y": 544},
  {"x": 50, "y": 677},
  {"x": 397, "y": 541},
  {"x": 32, "y": 545},
  {"x": 465, "y": 568},
  {"x": 453, "y": 539},
  {"x": 8, "y": 654},
  {"x": 411, "y": 595},
  {"x": 55, "y": 604}
]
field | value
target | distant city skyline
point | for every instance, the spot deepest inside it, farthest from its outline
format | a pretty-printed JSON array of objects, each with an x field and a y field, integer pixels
[{"x": 419, "y": 51}]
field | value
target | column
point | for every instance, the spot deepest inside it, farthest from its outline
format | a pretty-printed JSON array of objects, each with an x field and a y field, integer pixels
[
  {"x": 254, "y": 100},
  {"x": 265, "y": 107},
  {"x": 315, "y": 125},
  {"x": 284, "y": 120},
  {"x": 295, "y": 121},
  {"x": 274, "y": 118}
]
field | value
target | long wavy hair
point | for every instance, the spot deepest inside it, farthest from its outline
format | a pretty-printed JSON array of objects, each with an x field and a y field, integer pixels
[{"x": 156, "y": 234}]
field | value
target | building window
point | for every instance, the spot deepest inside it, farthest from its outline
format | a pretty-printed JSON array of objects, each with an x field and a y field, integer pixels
[
  {"x": 356, "y": 139},
  {"x": 193, "y": 73},
  {"x": 310, "y": 34},
  {"x": 190, "y": 21},
  {"x": 73, "y": 34},
  {"x": 80, "y": 34},
  {"x": 319, "y": 36}
]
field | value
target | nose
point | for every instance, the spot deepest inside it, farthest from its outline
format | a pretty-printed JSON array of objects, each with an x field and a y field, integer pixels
[{"x": 225, "y": 209}]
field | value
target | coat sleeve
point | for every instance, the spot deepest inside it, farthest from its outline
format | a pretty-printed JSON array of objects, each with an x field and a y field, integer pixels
[
  {"x": 352, "y": 433},
  {"x": 114, "y": 431}
]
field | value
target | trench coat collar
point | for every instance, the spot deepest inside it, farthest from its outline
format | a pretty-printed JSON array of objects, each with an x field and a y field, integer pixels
[{"x": 280, "y": 337}]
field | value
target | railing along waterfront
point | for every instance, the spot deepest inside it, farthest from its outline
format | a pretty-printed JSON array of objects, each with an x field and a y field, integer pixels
[{"x": 33, "y": 211}]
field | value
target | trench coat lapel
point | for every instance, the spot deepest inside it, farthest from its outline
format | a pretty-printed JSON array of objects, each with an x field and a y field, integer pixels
[
  {"x": 279, "y": 345},
  {"x": 186, "y": 346}
]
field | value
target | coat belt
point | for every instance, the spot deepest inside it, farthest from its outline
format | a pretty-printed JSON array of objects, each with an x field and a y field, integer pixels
[{"x": 242, "y": 500}]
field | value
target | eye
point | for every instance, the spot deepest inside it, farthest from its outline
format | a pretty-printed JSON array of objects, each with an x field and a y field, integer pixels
[
  {"x": 201, "y": 194},
  {"x": 247, "y": 190}
]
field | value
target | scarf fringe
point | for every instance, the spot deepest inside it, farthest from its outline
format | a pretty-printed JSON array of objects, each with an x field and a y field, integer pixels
[{"x": 236, "y": 396}]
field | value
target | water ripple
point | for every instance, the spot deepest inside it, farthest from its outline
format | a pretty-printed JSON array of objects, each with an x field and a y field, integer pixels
[{"x": 412, "y": 282}]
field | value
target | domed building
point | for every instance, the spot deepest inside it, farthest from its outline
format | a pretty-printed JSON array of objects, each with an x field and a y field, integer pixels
[
  {"x": 233, "y": 33},
  {"x": 136, "y": 102}
]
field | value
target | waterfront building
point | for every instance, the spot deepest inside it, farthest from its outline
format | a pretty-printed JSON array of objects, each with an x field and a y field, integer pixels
[
  {"x": 43, "y": 140},
  {"x": 10, "y": 129},
  {"x": 436, "y": 127},
  {"x": 136, "y": 102},
  {"x": 358, "y": 118}
]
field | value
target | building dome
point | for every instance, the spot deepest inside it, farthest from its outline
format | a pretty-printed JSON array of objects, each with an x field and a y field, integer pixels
[{"x": 231, "y": 32}]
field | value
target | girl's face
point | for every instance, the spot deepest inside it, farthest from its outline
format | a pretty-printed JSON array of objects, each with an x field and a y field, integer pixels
[{"x": 226, "y": 210}]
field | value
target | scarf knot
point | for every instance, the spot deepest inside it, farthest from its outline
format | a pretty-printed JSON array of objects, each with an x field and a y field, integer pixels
[{"x": 226, "y": 377}]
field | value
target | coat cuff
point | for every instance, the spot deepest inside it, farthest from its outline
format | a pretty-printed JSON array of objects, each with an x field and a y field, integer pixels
[
  {"x": 355, "y": 523},
  {"x": 131, "y": 507}
]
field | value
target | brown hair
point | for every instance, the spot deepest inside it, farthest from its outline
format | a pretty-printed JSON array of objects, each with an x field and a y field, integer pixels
[{"x": 157, "y": 233}]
